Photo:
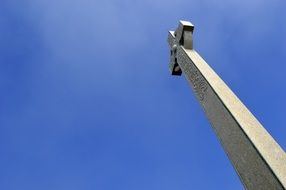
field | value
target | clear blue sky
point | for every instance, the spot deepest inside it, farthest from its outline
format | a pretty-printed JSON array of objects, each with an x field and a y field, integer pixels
[{"x": 87, "y": 101}]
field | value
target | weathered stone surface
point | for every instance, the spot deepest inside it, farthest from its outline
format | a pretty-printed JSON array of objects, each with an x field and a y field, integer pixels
[{"x": 258, "y": 160}]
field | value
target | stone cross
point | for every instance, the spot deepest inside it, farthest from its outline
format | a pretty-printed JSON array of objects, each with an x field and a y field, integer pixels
[{"x": 257, "y": 158}]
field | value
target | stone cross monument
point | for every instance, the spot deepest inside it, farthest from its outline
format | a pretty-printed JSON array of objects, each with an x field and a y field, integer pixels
[{"x": 257, "y": 158}]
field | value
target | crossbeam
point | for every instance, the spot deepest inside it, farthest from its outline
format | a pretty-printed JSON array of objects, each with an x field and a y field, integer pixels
[{"x": 256, "y": 157}]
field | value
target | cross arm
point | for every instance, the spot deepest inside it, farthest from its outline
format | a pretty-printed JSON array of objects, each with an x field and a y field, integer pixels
[{"x": 182, "y": 36}]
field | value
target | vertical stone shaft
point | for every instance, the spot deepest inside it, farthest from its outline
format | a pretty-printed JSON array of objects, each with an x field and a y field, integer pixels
[{"x": 258, "y": 160}]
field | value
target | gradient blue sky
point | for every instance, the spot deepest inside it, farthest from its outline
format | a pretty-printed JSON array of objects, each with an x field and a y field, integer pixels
[{"x": 87, "y": 101}]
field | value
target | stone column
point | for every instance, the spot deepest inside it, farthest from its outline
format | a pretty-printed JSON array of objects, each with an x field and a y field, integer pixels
[{"x": 258, "y": 160}]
